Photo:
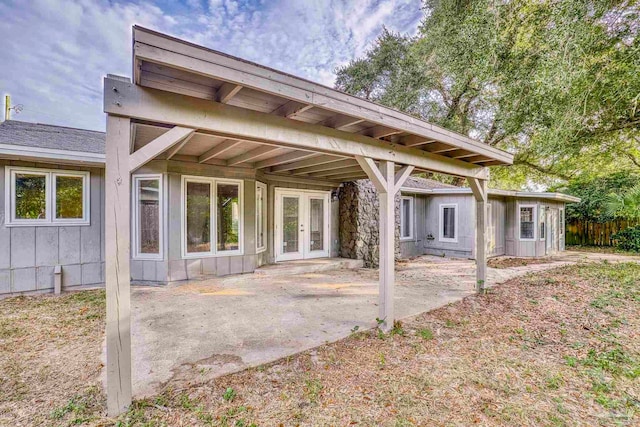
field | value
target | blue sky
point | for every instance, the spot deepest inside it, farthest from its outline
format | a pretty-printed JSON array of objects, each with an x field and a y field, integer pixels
[{"x": 56, "y": 52}]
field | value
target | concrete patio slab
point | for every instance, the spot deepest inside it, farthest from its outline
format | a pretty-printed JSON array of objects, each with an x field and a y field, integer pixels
[{"x": 197, "y": 331}]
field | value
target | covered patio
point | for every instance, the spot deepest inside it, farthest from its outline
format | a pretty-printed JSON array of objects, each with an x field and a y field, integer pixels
[{"x": 198, "y": 122}]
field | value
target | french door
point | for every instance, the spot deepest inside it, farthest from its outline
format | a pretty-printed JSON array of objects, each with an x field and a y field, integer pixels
[{"x": 301, "y": 224}]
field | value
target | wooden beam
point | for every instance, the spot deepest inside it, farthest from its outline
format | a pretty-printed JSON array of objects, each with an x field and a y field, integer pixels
[
  {"x": 250, "y": 155},
  {"x": 371, "y": 169},
  {"x": 225, "y": 145},
  {"x": 159, "y": 145},
  {"x": 126, "y": 99},
  {"x": 480, "y": 193},
  {"x": 164, "y": 50},
  {"x": 341, "y": 171},
  {"x": 300, "y": 180},
  {"x": 285, "y": 158},
  {"x": 350, "y": 177},
  {"x": 387, "y": 247},
  {"x": 117, "y": 273},
  {"x": 291, "y": 109},
  {"x": 340, "y": 121},
  {"x": 401, "y": 177},
  {"x": 378, "y": 132},
  {"x": 415, "y": 140},
  {"x": 325, "y": 167},
  {"x": 317, "y": 160},
  {"x": 172, "y": 152},
  {"x": 226, "y": 92}
]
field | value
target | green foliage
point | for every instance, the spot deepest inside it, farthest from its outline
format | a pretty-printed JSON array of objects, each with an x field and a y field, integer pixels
[
  {"x": 229, "y": 394},
  {"x": 628, "y": 239},
  {"x": 625, "y": 204},
  {"x": 554, "y": 82},
  {"x": 594, "y": 193}
]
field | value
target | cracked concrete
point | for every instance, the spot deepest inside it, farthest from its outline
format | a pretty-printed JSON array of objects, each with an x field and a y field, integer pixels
[{"x": 197, "y": 331}]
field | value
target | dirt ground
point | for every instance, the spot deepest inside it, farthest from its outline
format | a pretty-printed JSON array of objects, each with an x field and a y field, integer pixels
[
  {"x": 560, "y": 347},
  {"x": 508, "y": 262}
]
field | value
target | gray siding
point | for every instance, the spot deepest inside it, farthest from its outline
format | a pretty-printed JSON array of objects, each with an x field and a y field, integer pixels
[
  {"x": 554, "y": 240},
  {"x": 28, "y": 254}
]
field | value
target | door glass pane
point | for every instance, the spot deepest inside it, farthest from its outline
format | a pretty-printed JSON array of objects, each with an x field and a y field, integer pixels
[
  {"x": 228, "y": 217},
  {"x": 290, "y": 224},
  {"x": 31, "y": 200},
  {"x": 69, "y": 197},
  {"x": 316, "y": 224},
  {"x": 149, "y": 216},
  {"x": 259, "y": 218},
  {"x": 405, "y": 230},
  {"x": 198, "y": 213}
]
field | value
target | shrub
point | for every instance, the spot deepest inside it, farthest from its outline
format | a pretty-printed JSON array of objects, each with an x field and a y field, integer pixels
[{"x": 628, "y": 239}]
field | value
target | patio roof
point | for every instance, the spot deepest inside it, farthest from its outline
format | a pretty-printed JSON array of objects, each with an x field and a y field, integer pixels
[
  {"x": 267, "y": 96},
  {"x": 494, "y": 192}
]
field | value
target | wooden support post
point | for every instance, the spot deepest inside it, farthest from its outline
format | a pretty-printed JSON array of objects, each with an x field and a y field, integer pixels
[
  {"x": 117, "y": 250},
  {"x": 387, "y": 183},
  {"x": 479, "y": 189}
]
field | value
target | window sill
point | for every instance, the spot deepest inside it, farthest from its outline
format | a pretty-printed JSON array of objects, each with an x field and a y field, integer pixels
[
  {"x": 407, "y": 239},
  {"x": 47, "y": 224},
  {"x": 444, "y": 240},
  {"x": 209, "y": 255},
  {"x": 261, "y": 250}
]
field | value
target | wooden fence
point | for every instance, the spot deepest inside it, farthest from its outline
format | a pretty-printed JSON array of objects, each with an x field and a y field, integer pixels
[{"x": 594, "y": 233}]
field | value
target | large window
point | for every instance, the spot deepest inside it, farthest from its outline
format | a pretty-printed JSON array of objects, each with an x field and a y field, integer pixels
[
  {"x": 527, "y": 222},
  {"x": 212, "y": 212},
  {"x": 449, "y": 223},
  {"x": 261, "y": 217},
  {"x": 406, "y": 218},
  {"x": 147, "y": 231},
  {"x": 46, "y": 197}
]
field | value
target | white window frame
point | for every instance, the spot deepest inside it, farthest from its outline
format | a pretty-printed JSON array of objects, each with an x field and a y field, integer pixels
[
  {"x": 441, "y": 237},
  {"x": 136, "y": 217},
  {"x": 213, "y": 216},
  {"x": 261, "y": 220},
  {"x": 535, "y": 222},
  {"x": 50, "y": 197},
  {"x": 543, "y": 220},
  {"x": 403, "y": 226}
]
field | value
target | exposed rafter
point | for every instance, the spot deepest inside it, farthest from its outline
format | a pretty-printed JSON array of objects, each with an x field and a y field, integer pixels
[
  {"x": 285, "y": 158},
  {"x": 253, "y": 154},
  {"x": 318, "y": 160},
  {"x": 380, "y": 132},
  {"x": 415, "y": 140},
  {"x": 325, "y": 167},
  {"x": 341, "y": 121},
  {"x": 334, "y": 172},
  {"x": 226, "y": 92},
  {"x": 291, "y": 109},
  {"x": 218, "y": 149}
]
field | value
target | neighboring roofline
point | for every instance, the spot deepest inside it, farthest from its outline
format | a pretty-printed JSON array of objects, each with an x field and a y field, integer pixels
[
  {"x": 54, "y": 126},
  {"x": 149, "y": 44},
  {"x": 21, "y": 152},
  {"x": 495, "y": 192}
]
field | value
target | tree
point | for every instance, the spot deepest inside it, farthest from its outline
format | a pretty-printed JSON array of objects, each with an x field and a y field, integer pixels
[{"x": 554, "y": 82}]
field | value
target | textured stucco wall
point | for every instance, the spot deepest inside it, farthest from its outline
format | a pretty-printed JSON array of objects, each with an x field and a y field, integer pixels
[{"x": 359, "y": 222}]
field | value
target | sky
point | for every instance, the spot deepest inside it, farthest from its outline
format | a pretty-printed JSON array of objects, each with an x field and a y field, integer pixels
[{"x": 55, "y": 53}]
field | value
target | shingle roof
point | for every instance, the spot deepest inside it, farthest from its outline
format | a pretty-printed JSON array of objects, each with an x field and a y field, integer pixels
[
  {"x": 425, "y": 183},
  {"x": 13, "y": 132}
]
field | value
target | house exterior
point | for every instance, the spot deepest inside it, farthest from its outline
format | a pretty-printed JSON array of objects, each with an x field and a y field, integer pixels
[
  {"x": 215, "y": 165},
  {"x": 52, "y": 179},
  {"x": 433, "y": 218}
]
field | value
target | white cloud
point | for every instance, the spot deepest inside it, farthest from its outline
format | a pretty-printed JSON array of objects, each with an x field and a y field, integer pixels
[{"x": 56, "y": 52}]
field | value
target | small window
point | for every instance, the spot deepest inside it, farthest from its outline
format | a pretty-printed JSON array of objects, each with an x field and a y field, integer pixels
[
  {"x": 148, "y": 216},
  {"x": 46, "y": 197},
  {"x": 527, "y": 222},
  {"x": 406, "y": 218},
  {"x": 449, "y": 223},
  {"x": 261, "y": 217},
  {"x": 543, "y": 222},
  {"x": 198, "y": 217},
  {"x": 228, "y": 217}
]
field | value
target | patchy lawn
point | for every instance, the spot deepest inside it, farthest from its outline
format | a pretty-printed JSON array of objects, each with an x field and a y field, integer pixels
[
  {"x": 50, "y": 352},
  {"x": 601, "y": 250},
  {"x": 558, "y": 348},
  {"x": 507, "y": 262}
]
